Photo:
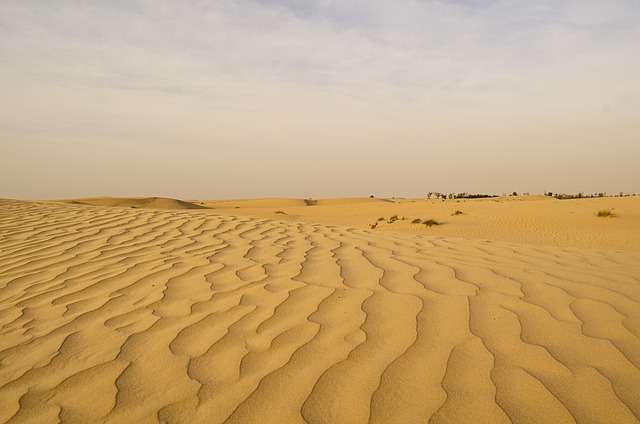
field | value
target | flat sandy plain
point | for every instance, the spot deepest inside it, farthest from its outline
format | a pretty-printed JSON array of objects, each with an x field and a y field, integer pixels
[{"x": 518, "y": 309}]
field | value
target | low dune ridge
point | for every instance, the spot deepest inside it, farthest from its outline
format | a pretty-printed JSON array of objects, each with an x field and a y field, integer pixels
[
  {"x": 162, "y": 203},
  {"x": 119, "y": 314},
  {"x": 270, "y": 203}
]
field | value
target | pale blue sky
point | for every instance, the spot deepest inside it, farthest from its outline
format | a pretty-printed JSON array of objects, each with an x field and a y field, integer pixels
[{"x": 230, "y": 99}]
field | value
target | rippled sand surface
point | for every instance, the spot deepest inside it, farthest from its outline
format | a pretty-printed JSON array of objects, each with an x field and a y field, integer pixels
[{"x": 121, "y": 314}]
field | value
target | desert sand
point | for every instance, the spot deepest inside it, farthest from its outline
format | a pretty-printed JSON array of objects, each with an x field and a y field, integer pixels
[{"x": 517, "y": 309}]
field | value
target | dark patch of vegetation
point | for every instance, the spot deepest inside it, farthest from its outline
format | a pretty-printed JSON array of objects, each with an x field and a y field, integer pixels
[
  {"x": 417, "y": 221},
  {"x": 457, "y": 213},
  {"x": 381, "y": 218},
  {"x": 581, "y": 195},
  {"x": 280, "y": 212},
  {"x": 605, "y": 213},
  {"x": 430, "y": 222},
  {"x": 464, "y": 195}
]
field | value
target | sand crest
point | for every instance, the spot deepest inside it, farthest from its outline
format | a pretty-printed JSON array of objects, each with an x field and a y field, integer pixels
[{"x": 120, "y": 314}]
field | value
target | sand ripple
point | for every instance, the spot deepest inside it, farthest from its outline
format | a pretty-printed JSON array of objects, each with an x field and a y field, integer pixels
[{"x": 130, "y": 315}]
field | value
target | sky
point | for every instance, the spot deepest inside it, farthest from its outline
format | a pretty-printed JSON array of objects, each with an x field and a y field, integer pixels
[{"x": 299, "y": 98}]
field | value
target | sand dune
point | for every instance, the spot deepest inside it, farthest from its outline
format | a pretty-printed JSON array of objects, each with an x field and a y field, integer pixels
[
  {"x": 270, "y": 203},
  {"x": 539, "y": 220},
  {"x": 138, "y": 202},
  {"x": 116, "y": 314}
]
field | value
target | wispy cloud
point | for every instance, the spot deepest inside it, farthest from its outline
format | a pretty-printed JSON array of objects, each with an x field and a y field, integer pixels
[{"x": 353, "y": 47}]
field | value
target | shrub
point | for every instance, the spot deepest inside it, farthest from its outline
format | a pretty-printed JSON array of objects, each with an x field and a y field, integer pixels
[
  {"x": 417, "y": 221},
  {"x": 280, "y": 212},
  {"x": 458, "y": 213},
  {"x": 430, "y": 222},
  {"x": 381, "y": 218},
  {"x": 374, "y": 225},
  {"x": 605, "y": 213},
  {"x": 581, "y": 195}
]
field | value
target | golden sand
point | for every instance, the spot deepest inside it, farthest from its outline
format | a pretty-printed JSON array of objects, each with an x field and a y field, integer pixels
[{"x": 522, "y": 309}]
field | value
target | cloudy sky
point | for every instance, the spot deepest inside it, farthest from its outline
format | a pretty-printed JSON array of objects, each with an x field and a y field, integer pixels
[{"x": 327, "y": 98}]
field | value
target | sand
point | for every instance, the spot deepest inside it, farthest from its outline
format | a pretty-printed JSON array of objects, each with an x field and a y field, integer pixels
[{"x": 519, "y": 309}]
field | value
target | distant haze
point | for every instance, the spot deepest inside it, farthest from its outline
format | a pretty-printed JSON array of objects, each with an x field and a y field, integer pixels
[{"x": 232, "y": 99}]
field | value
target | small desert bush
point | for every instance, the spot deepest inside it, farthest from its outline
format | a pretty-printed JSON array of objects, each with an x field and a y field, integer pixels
[
  {"x": 381, "y": 218},
  {"x": 374, "y": 225},
  {"x": 605, "y": 213},
  {"x": 458, "y": 213},
  {"x": 417, "y": 221},
  {"x": 430, "y": 222},
  {"x": 280, "y": 212}
]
